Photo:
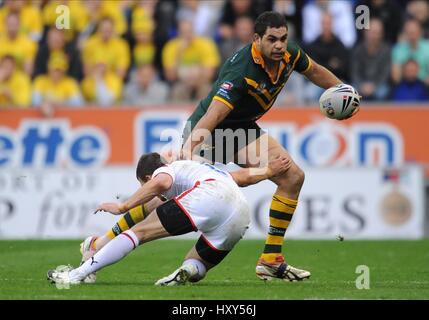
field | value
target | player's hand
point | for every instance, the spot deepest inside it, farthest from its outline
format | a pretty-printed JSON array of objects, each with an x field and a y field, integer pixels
[
  {"x": 111, "y": 207},
  {"x": 278, "y": 166}
]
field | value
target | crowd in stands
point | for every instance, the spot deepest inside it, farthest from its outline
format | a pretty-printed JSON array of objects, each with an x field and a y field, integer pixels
[{"x": 152, "y": 52}]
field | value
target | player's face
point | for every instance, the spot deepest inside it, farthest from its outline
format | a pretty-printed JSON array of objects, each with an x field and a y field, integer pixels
[{"x": 273, "y": 44}]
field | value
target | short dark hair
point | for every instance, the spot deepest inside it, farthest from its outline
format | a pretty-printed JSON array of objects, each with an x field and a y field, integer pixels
[
  {"x": 8, "y": 57},
  {"x": 105, "y": 18},
  {"x": 148, "y": 163},
  {"x": 269, "y": 19}
]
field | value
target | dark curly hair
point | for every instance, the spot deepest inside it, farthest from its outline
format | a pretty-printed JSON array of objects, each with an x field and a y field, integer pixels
[
  {"x": 269, "y": 19},
  {"x": 148, "y": 163}
]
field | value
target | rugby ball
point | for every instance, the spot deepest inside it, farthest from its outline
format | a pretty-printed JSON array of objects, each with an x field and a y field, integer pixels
[{"x": 339, "y": 102}]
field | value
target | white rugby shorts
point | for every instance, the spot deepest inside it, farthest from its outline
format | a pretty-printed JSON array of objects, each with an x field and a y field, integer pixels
[{"x": 218, "y": 209}]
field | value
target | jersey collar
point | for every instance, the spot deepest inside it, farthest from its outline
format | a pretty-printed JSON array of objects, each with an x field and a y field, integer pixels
[{"x": 258, "y": 59}]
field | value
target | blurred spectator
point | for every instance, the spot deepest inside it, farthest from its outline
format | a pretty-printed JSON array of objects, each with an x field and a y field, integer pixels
[
  {"x": 56, "y": 43},
  {"x": 17, "y": 44},
  {"x": 145, "y": 89},
  {"x": 419, "y": 10},
  {"x": 230, "y": 13},
  {"x": 343, "y": 23},
  {"x": 243, "y": 35},
  {"x": 411, "y": 88},
  {"x": 292, "y": 10},
  {"x": 190, "y": 63},
  {"x": 56, "y": 88},
  {"x": 15, "y": 85},
  {"x": 370, "y": 63},
  {"x": 96, "y": 12},
  {"x": 126, "y": 8},
  {"x": 77, "y": 11},
  {"x": 101, "y": 86},
  {"x": 205, "y": 15},
  {"x": 146, "y": 46},
  {"x": 38, "y": 4},
  {"x": 144, "y": 9},
  {"x": 30, "y": 17},
  {"x": 109, "y": 46},
  {"x": 260, "y": 6},
  {"x": 388, "y": 12},
  {"x": 144, "y": 49},
  {"x": 112, "y": 9},
  {"x": 329, "y": 51},
  {"x": 413, "y": 46},
  {"x": 164, "y": 17},
  {"x": 189, "y": 88},
  {"x": 162, "y": 13},
  {"x": 143, "y": 13}
]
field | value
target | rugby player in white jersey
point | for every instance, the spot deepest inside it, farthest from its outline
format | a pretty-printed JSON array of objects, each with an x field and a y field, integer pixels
[{"x": 199, "y": 197}]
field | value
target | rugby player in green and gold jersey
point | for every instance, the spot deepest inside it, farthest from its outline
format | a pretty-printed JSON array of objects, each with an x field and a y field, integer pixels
[
  {"x": 248, "y": 84},
  {"x": 246, "y": 89}
]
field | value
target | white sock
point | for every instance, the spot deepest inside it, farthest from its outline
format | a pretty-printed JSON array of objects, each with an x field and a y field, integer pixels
[
  {"x": 201, "y": 269},
  {"x": 112, "y": 252}
]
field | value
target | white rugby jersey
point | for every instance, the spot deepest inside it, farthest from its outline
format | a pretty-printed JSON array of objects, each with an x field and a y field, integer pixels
[{"x": 185, "y": 173}]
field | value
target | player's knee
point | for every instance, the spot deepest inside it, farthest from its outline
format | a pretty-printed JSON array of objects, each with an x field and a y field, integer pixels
[
  {"x": 299, "y": 177},
  {"x": 293, "y": 178},
  {"x": 139, "y": 232}
]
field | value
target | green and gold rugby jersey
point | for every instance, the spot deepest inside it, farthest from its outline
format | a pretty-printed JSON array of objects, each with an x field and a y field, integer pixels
[{"x": 245, "y": 87}]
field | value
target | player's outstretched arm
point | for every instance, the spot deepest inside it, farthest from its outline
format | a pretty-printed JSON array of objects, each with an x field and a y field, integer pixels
[
  {"x": 249, "y": 176},
  {"x": 144, "y": 194},
  {"x": 321, "y": 76}
]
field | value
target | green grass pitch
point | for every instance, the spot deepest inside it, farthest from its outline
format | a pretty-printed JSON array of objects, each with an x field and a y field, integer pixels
[{"x": 398, "y": 270}]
